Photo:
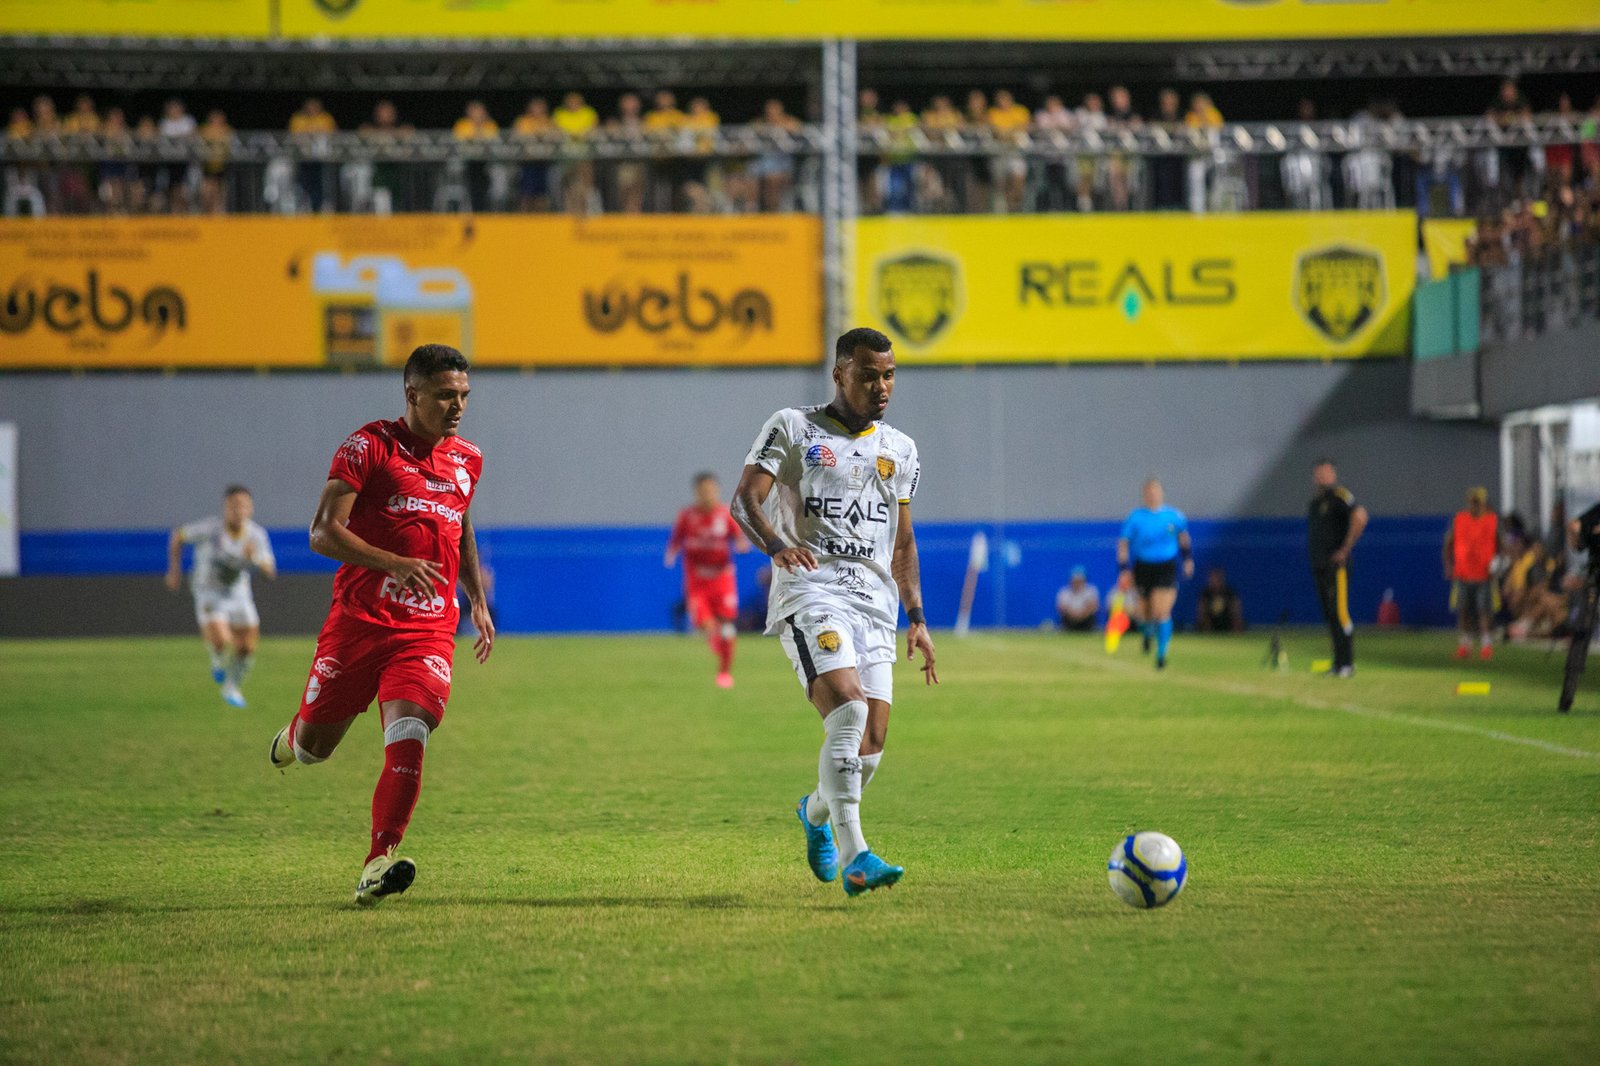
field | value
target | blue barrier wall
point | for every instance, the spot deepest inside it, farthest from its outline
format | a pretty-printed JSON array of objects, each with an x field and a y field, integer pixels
[{"x": 612, "y": 578}]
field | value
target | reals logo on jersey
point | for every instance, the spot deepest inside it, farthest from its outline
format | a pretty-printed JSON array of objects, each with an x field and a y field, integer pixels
[{"x": 820, "y": 455}]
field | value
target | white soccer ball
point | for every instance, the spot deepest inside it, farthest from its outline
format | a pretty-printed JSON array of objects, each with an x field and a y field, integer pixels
[{"x": 1147, "y": 870}]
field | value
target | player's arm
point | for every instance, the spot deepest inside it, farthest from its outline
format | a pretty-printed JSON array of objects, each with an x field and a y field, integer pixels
[
  {"x": 1358, "y": 525},
  {"x": 907, "y": 571},
  {"x": 674, "y": 544},
  {"x": 472, "y": 584},
  {"x": 262, "y": 560},
  {"x": 755, "y": 485},
  {"x": 1449, "y": 552},
  {"x": 330, "y": 536},
  {"x": 174, "y": 578},
  {"x": 1122, "y": 553}
]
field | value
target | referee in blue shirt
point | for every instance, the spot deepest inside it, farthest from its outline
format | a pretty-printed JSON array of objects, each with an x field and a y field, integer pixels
[{"x": 1153, "y": 537}]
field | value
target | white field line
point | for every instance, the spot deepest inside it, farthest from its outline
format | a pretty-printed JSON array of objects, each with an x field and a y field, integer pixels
[{"x": 1234, "y": 688}]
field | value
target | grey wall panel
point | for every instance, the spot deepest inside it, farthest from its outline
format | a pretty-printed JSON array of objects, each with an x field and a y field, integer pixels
[
  {"x": 597, "y": 448},
  {"x": 1562, "y": 366},
  {"x": 108, "y": 605}
]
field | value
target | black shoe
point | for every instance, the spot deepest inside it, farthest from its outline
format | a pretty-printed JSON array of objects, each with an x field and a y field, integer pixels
[
  {"x": 1147, "y": 643},
  {"x": 1161, "y": 662}
]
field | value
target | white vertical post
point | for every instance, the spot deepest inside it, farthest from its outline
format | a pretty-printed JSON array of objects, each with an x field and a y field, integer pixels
[
  {"x": 839, "y": 206},
  {"x": 10, "y": 520}
]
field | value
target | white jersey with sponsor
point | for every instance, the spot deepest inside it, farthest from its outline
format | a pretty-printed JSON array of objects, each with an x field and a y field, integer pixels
[
  {"x": 220, "y": 564},
  {"x": 838, "y": 493}
]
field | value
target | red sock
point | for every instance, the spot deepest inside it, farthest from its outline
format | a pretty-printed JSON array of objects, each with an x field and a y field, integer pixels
[{"x": 396, "y": 795}]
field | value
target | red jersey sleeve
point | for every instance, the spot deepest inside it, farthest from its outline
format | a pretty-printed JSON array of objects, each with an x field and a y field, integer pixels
[
  {"x": 675, "y": 538},
  {"x": 354, "y": 460}
]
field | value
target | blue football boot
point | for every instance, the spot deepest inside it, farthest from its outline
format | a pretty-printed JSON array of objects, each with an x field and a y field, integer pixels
[
  {"x": 867, "y": 872},
  {"x": 822, "y": 856}
]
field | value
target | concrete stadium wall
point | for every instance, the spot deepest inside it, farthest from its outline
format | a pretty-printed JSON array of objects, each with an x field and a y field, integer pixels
[{"x": 589, "y": 467}]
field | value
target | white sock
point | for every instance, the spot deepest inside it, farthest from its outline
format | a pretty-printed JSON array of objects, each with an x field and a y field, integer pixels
[
  {"x": 869, "y": 766},
  {"x": 1463, "y": 640},
  {"x": 839, "y": 775},
  {"x": 239, "y": 669},
  {"x": 1486, "y": 641}
]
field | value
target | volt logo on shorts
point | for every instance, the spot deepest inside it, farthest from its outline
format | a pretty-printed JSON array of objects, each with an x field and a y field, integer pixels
[
  {"x": 820, "y": 455},
  {"x": 391, "y": 590},
  {"x": 439, "y": 666},
  {"x": 401, "y": 504}
]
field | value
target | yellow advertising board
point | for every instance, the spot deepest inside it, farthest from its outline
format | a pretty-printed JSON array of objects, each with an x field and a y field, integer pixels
[
  {"x": 1264, "y": 285},
  {"x": 139, "y": 18},
  {"x": 360, "y": 291},
  {"x": 1067, "y": 20},
  {"x": 1445, "y": 242}
]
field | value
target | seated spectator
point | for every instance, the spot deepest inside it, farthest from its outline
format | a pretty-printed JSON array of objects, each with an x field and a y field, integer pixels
[
  {"x": 176, "y": 125},
  {"x": 577, "y": 121},
  {"x": 1055, "y": 117},
  {"x": 77, "y": 179},
  {"x": 1090, "y": 118},
  {"x": 115, "y": 172},
  {"x": 1167, "y": 171},
  {"x": 900, "y": 161},
  {"x": 533, "y": 177},
  {"x": 311, "y": 127},
  {"x": 1078, "y": 604},
  {"x": 476, "y": 125},
  {"x": 695, "y": 172},
  {"x": 1010, "y": 122},
  {"x": 980, "y": 189},
  {"x": 1120, "y": 166},
  {"x": 1218, "y": 609},
  {"x": 217, "y": 137},
  {"x": 944, "y": 175}
]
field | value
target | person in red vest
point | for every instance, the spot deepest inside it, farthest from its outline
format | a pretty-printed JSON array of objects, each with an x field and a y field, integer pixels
[{"x": 1470, "y": 547}]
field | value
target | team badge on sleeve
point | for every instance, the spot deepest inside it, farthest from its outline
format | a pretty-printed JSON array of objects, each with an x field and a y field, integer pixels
[
  {"x": 828, "y": 640},
  {"x": 820, "y": 455},
  {"x": 885, "y": 467}
]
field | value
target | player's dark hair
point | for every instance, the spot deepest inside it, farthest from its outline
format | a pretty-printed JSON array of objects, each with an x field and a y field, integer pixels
[
  {"x": 431, "y": 359},
  {"x": 1323, "y": 460},
  {"x": 702, "y": 477},
  {"x": 234, "y": 490},
  {"x": 860, "y": 337}
]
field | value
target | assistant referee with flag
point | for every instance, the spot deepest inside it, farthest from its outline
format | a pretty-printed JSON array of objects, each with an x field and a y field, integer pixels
[{"x": 1336, "y": 523}]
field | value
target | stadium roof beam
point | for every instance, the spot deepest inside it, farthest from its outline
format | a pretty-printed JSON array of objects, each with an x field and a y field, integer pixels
[{"x": 1452, "y": 58}]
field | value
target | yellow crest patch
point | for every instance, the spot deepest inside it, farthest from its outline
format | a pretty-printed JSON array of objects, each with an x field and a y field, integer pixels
[
  {"x": 919, "y": 296},
  {"x": 885, "y": 467},
  {"x": 828, "y": 640},
  {"x": 1339, "y": 290}
]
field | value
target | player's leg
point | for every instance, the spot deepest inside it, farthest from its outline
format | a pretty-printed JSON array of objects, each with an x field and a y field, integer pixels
[
  {"x": 1161, "y": 601},
  {"x": 413, "y": 691},
  {"x": 214, "y": 632},
  {"x": 725, "y": 609},
  {"x": 1483, "y": 607},
  {"x": 1344, "y": 651},
  {"x": 244, "y": 632},
  {"x": 703, "y": 616},
  {"x": 1461, "y": 596},
  {"x": 340, "y": 686}
]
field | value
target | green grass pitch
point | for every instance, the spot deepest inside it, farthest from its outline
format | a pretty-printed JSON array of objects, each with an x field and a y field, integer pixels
[{"x": 611, "y": 872}]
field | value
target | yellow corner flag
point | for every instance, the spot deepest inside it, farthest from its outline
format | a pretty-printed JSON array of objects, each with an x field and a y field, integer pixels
[{"x": 1116, "y": 622}]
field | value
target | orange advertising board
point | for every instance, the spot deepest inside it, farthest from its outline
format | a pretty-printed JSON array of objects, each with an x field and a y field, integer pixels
[{"x": 358, "y": 291}]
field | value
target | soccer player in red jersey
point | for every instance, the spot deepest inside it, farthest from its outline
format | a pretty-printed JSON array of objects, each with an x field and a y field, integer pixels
[
  {"x": 706, "y": 535},
  {"x": 395, "y": 512}
]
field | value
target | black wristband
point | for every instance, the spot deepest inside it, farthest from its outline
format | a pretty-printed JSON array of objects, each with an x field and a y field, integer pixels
[
  {"x": 775, "y": 547},
  {"x": 916, "y": 616}
]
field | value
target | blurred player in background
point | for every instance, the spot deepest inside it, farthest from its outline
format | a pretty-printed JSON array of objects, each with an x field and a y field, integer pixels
[
  {"x": 706, "y": 535},
  {"x": 395, "y": 512},
  {"x": 844, "y": 559},
  {"x": 1471, "y": 545},
  {"x": 227, "y": 551},
  {"x": 1335, "y": 524},
  {"x": 1153, "y": 537}
]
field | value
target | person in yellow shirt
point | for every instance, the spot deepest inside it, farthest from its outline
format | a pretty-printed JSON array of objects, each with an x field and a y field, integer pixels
[
  {"x": 1203, "y": 114},
  {"x": 629, "y": 178},
  {"x": 693, "y": 173},
  {"x": 77, "y": 180},
  {"x": 217, "y": 137},
  {"x": 476, "y": 125},
  {"x": 577, "y": 121},
  {"x": 533, "y": 180},
  {"x": 664, "y": 116},
  {"x": 311, "y": 126},
  {"x": 943, "y": 124},
  {"x": 1010, "y": 122},
  {"x": 900, "y": 160}
]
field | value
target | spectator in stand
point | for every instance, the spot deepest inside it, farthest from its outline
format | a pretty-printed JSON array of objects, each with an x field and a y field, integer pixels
[
  {"x": 176, "y": 125},
  {"x": 216, "y": 136},
  {"x": 1589, "y": 146},
  {"x": 1510, "y": 108},
  {"x": 533, "y": 177},
  {"x": 1010, "y": 122},
  {"x": 869, "y": 124},
  {"x": 1091, "y": 118},
  {"x": 115, "y": 171},
  {"x": 1077, "y": 604},
  {"x": 20, "y": 126},
  {"x": 980, "y": 189},
  {"x": 774, "y": 168},
  {"x": 701, "y": 124},
  {"x": 388, "y": 177},
  {"x": 1166, "y": 171},
  {"x": 901, "y": 158},
  {"x": 1560, "y": 160},
  {"x": 663, "y": 123},
  {"x": 1055, "y": 117},
  {"x": 311, "y": 127},
  {"x": 577, "y": 121},
  {"x": 46, "y": 125},
  {"x": 142, "y": 182},
  {"x": 944, "y": 174},
  {"x": 1218, "y": 608},
  {"x": 476, "y": 127},
  {"x": 630, "y": 177},
  {"x": 1120, "y": 166},
  {"x": 77, "y": 179}
]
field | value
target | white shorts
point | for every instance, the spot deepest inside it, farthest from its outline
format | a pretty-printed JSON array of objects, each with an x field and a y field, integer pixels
[
  {"x": 235, "y": 609},
  {"x": 820, "y": 639}
]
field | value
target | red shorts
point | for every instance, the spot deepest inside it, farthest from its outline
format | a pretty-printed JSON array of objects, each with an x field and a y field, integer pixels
[
  {"x": 359, "y": 661},
  {"x": 712, "y": 599}
]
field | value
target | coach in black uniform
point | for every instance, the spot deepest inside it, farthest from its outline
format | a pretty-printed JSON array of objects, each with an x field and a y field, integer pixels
[{"x": 1336, "y": 523}]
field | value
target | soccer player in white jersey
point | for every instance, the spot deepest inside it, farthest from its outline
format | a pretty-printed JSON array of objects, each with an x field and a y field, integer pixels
[
  {"x": 844, "y": 559},
  {"x": 227, "y": 550}
]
